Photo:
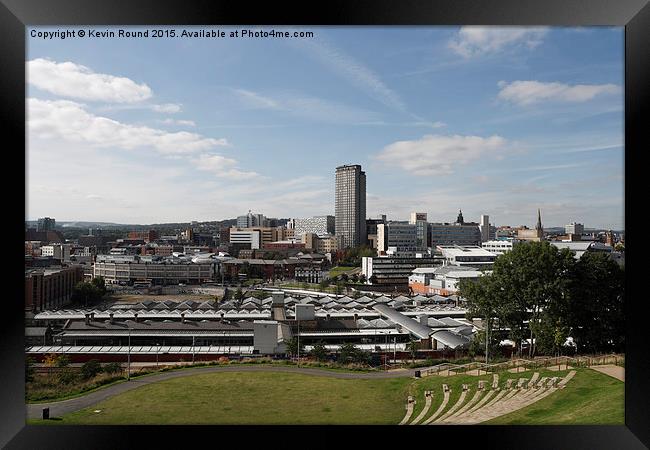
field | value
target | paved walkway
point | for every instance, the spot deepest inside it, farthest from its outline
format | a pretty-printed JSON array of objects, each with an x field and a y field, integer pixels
[
  {"x": 617, "y": 372},
  {"x": 60, "y": 408}
]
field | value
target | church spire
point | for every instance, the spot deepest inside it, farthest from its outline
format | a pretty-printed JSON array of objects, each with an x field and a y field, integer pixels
[
  {"x": 460, "y": 219},
  {"x": 539, "y": 221}
]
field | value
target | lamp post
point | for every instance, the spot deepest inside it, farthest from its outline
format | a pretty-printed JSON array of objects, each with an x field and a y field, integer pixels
[
  {"x": 157, "y": 351},
  {"x": 298, "y": 336},
  {"x": 128, "y": 363},
  {"x": 193, "y": 349}
]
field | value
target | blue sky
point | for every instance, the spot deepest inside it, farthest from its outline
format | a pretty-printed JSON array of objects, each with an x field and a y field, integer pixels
[{"x": 497, "y": 121}]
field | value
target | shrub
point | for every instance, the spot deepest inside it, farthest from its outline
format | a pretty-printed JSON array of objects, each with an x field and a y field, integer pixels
[
  {"x": 90, "y": 369},
  {"x": 112, "y": 368},
  {"x": 67, "y": 376}
]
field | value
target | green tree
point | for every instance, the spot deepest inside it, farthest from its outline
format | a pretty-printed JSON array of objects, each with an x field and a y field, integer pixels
[
  {"x": 29, "y": 369},
  {"x": 61, "y": 360},
  {"x": 85, "y": 293},
  {"x": 531, "y": 279},
  {"x": 319, "y": 352},
  {"x": 350, "y": 353},
  {"x": 100, "y": 284},
  {"x": 482, "y": 297},
  {"x": 596, "y": 307},
  {"x": 112, "y": 368},
  {"x": 292, "y": 347},
  {"x": 412, "y": 347},
  {"x": 90, "y": 368}
]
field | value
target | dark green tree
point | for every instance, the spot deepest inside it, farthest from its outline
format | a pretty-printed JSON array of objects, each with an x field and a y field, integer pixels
[
  {"x": 90, "y": 368},
  {"x": 100, "y": 284},
  {"x": 292, "y": 347},
  {"x": 530, "y": 279},
  {"x": 29, "y": 369},
  {"x": 319, "y": 352},
  {"x": 483, "y": 300},
  {"x": 85, "y": 293},
  {"x": 596, "y": 307}
]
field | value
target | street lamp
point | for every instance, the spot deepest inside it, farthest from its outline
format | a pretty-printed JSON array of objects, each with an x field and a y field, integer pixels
[
  {"x": 128, "y": 364},
  {"x": 157, "y": 351}
]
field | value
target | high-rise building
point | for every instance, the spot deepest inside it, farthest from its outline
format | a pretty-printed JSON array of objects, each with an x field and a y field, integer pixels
[
  {"x": 421, "y": 228},
  {"x": 488, "y": 232},
  {"x": 252, "y": 220},
  {"x": 45, "y": 224},
  {"x": 350, "y": 206}
]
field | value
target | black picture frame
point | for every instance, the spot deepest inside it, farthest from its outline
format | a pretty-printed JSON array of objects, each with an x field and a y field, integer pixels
[{"x": 16, "y": 15}]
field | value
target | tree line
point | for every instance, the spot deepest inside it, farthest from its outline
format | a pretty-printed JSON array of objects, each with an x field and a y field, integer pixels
[{"x": 540, "y": 296}]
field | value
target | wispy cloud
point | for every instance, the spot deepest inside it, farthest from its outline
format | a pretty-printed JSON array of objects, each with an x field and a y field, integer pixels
[
  {"x": 354, "y": 71},
  {"x": 303, "y": 106},
  {"x": 71, "y": 80},
  {"x": 472, "y": 41},
  {"x": 530, "y": 92}
]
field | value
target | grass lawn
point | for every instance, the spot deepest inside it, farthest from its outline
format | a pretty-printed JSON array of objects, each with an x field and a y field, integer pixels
[
  {"x": 286, "y": 398},
  {"x": 589, "y": 398},
  {"x": 252, "y": 398},
  {"x": 338, "y": 270}
]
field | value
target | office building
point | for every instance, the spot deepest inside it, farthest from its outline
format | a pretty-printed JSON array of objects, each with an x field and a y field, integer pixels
[
  {"x": 51, "y": 287},
  {"x": 498, "y": 247},
  {"x": 319, "y": 225},
  {"x": 393, "y": 271},
  {"x": 252, "y": 220},
  {"x": 250, "y": 238},
  {"x": 46, "y": 224},
  {"x": 402, "y": 236},
  {"x": 371, "y": 230},
  {"x": 474, "y": 256},
  {"x": 574, "y": 228},
  {"x": 350, "y": 206},
  {"x": 422, "y": 228}
]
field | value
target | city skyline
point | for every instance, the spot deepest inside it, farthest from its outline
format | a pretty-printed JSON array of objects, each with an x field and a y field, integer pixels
[{"x": 497, "y": 121}]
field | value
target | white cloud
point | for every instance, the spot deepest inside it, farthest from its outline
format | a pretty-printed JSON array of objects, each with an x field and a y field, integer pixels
[
  {"x": 473, "y": 41},
  {"x": 221, "y": 167},
  {"x": 187, "y": 123},
  {"x": 437, "y": 154},
  {"x": 72, "y": 80},
  {"x": 169, "y": 108},
  {"x": 529, "y": 92},
  {"x": 70, "y": 121}
]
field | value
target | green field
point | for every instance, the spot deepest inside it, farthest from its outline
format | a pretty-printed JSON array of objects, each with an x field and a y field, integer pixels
[
  {"x": 589, "y": 398},
  {"x": 338, "y": 270},
  {"x": 287, "y": 398},
  {"x": 252, "y": 398}
]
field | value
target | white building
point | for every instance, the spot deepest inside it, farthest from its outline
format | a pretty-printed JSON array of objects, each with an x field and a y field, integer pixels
[
  {"x": 466, "y": 256},
  {"x": 574, "y": 228},
  {"x": 498, "y": 247},
  {"x": 252, "y": 238},
  {"x": 440, "y": 280}
]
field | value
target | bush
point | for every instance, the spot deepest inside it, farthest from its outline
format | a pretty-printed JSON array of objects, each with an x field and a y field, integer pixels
[
  {"x": 90, "y": 369},
  {"x": 112, "y": 368},
  {"x": 67, "y": 376}
]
